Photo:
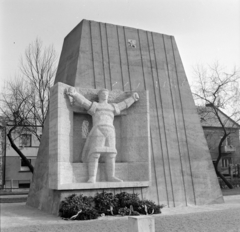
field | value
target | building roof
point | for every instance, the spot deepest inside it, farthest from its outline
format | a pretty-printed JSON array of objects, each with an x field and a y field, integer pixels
[{"x": 209, "y": 119}]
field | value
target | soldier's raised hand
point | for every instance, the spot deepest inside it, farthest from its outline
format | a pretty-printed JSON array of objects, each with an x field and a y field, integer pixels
[
  {"x": 135, "y": 96},
  {"x": 70, "y": 91}
]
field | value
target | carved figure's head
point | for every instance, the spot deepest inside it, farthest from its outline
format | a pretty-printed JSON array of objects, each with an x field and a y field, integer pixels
[{"x": 103, "y": 95}]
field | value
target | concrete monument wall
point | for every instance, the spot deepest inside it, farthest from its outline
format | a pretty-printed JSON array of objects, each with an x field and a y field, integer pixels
[
  {"x": 98, "y": 55},
  {"x": 67, "y": 138}
]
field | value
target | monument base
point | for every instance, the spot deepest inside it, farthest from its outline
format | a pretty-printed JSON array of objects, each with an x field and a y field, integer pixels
[
  {"x": 103, "y": 185},
  {"x": 75, "y": 176},
  {"x": 49, "y": 200}
]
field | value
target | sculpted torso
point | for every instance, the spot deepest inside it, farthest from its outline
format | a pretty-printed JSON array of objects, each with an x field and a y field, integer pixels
[{"x": 104, "y": 114}]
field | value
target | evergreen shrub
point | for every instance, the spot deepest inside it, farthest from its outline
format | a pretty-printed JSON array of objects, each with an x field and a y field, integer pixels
[
  {"x": 73, "y": 204},
  {"x": 106, "y": 203},
  {"x": 85, "y": 208}
]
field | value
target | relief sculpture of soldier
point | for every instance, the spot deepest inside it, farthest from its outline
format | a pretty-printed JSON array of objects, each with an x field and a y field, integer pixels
[{"x": 102, "y": 139}]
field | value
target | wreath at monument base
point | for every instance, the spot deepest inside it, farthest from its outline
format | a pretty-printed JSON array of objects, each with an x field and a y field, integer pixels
[{"x": 85, "y": 208}]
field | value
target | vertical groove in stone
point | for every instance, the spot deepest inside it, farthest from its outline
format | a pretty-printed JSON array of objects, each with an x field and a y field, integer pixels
[
  {"x": 184, "y": 125},
  {"x": 120, "y": 58},
  {"x": 144, "y": 81},
  {"x": 94, "y": 76},
  {"x": 100, "y": 32},
  {"x": 158, "y": 120},
  {"x": 154, "y": 165},
  {"x": 175, "y": 122},
  {"x": 164, "y": 127},
  {"x": 109, "y": 63},
  {"x": 127, "y": 59}
]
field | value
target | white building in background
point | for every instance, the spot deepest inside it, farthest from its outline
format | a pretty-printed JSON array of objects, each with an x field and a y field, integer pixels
[
  {"x": 17, "y": 174},
  {"x": 213, "y": 133}
]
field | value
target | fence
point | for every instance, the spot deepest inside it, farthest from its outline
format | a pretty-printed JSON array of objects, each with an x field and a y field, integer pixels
[
  {"x": 234, "y": 170},
  {"x": 16, "y": 185}
]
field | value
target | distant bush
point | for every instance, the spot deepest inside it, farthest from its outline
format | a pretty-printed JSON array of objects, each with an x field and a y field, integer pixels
[{"x": 85, "y": 208}]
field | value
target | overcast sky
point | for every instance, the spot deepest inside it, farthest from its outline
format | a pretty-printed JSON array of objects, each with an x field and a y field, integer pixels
[{"x": 205, "y": 30}]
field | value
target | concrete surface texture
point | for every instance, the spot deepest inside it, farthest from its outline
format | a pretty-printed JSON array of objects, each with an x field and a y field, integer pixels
[
  {"x": 209, "y": 218},
  {"x": 98, "y": 55}
]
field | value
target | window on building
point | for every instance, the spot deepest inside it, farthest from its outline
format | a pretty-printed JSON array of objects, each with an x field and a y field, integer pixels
[
  {"x": 26, "y": 140},
  {"x": 226, "y": 162},
  {"x": 23, "y": 184},
  {"x": 228, "y": 141},
  {"x": 24, "y": 166}
]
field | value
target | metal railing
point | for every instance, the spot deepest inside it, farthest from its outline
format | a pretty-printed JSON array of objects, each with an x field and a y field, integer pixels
[
  {"x": 234, "y": 170},
  {"x": 16, "y": 185}
]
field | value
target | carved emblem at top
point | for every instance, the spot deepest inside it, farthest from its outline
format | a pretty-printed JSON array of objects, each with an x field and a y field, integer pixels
[{"x": 132, "y": 43}]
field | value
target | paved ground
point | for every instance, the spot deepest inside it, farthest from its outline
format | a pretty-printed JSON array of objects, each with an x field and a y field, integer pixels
[
  {"x": 13, "y": 198},
  {"x": 219, "y": 218}
]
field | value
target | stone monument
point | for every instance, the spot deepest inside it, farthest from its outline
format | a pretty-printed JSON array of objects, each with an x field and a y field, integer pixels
[{"x": 161, "y": 150}]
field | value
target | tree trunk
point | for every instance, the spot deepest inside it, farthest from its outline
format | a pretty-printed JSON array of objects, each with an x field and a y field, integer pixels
[
  {"x": 218, "y": 159},
  {"x": 13, "y": 145},
  {"x": 224, "y": 179}
]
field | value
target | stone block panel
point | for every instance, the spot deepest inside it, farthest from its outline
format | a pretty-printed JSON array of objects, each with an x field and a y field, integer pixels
[
  {"x": 135, "y": 149},
  {"x": 67, "y": 174}
]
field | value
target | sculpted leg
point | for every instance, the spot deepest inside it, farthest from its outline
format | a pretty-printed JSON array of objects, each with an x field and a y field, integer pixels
[
  {"x": 95, "y": 140},
  {"x": 110, "y": 168},
  {"x": 92, "y": 167}
]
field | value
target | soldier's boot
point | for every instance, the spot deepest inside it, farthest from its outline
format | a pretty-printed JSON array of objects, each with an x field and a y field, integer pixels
[
  {"x": 110, "y": 168},
  {"x": 92, "y": 168}
]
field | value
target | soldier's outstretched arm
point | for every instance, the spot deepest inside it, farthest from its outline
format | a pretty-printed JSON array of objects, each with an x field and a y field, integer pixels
[
  {"x": 128, "y": 101},
  {"x": 79, "y": 98}
]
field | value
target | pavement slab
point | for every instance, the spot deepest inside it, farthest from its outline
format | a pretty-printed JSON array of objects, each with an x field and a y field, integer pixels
[{"x": 208, "y": 218}]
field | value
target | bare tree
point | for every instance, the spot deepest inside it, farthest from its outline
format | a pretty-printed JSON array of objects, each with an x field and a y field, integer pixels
[
  {"x": 24, "y": 102},
  {"x": 219, "y": 90},
  {"x": 38, "y": 66}
]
